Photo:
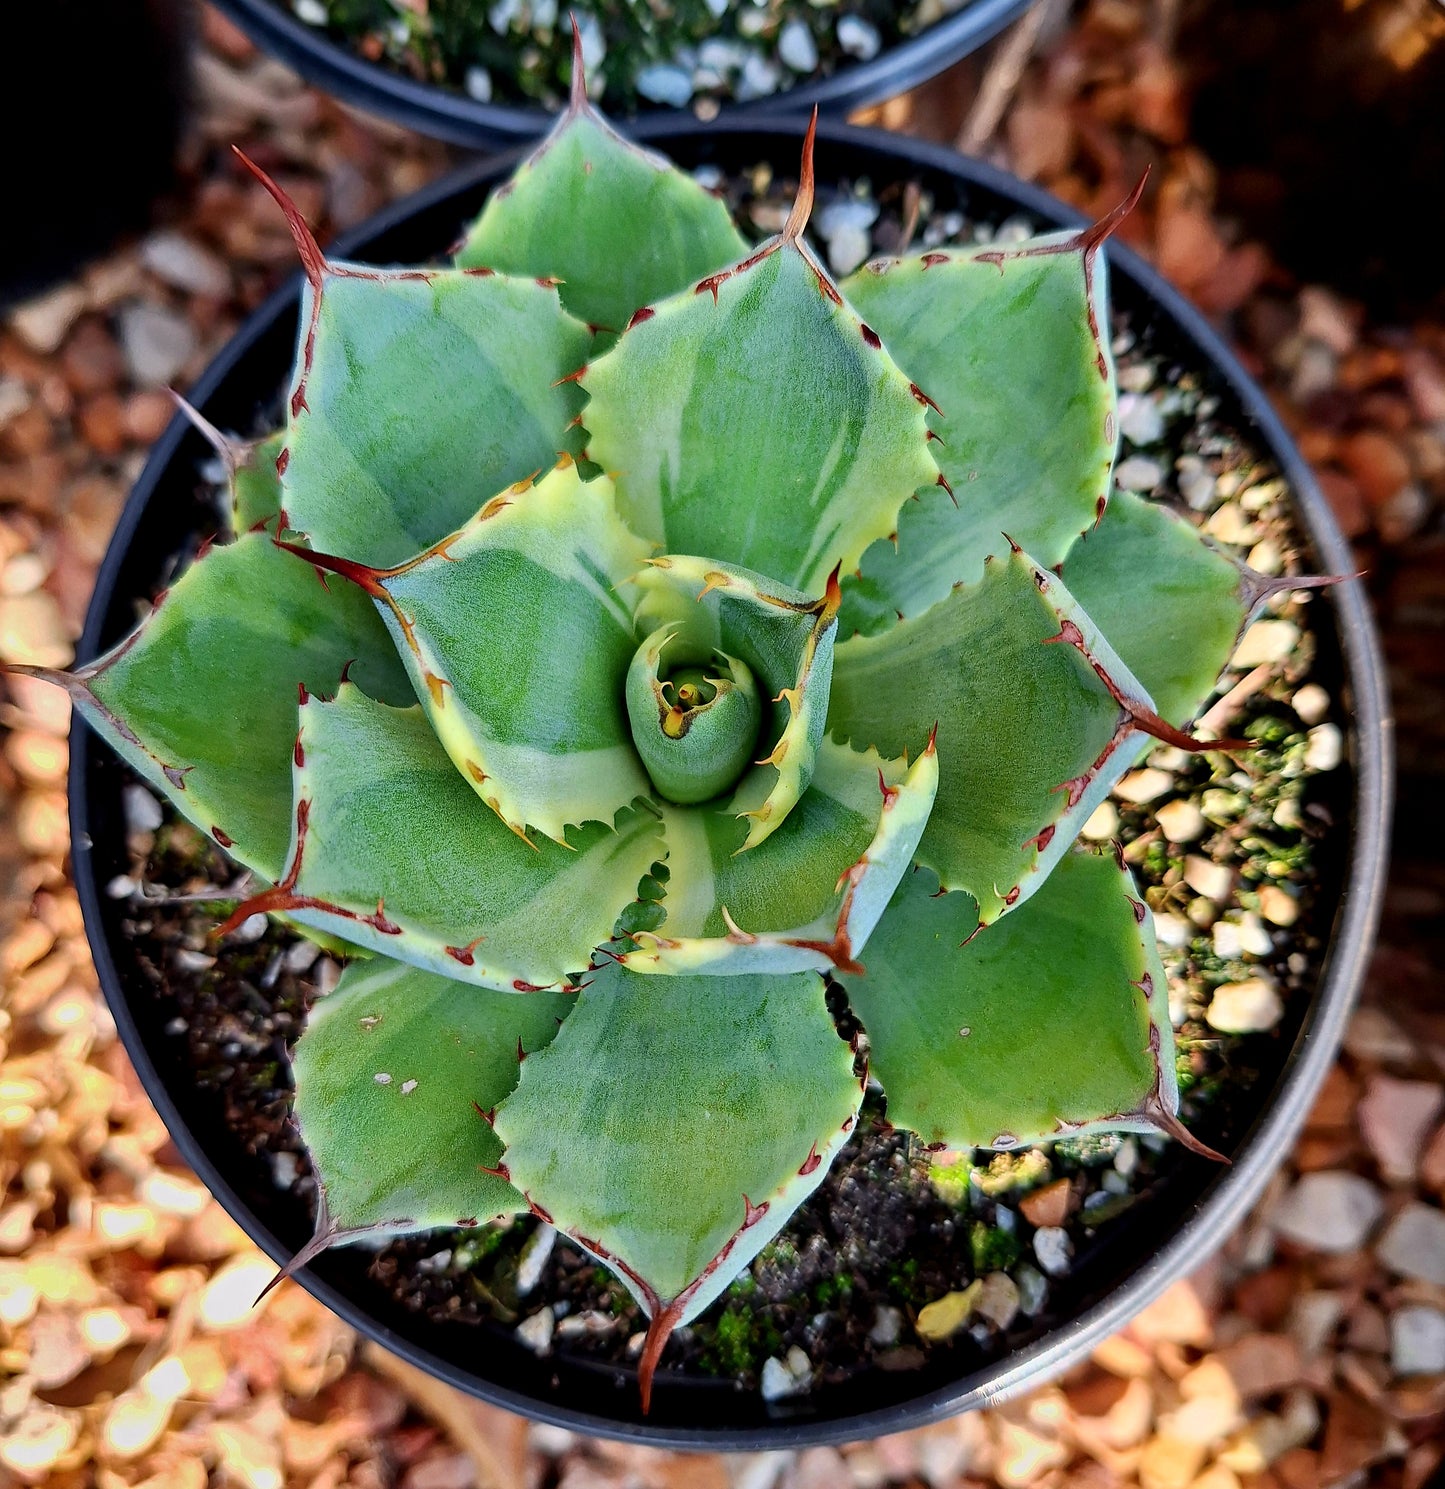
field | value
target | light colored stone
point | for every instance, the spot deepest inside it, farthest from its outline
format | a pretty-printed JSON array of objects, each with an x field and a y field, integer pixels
[
  {"x": 1138, "y": 473},
  {"x": 1170, "y": 1462},
  {"x": 1326, "y": 747},
  {"x": 1103, "y": 823},
  {"x": 1180, "y": 821},
  {"x": 1140, "y": 421},
  {"x": 945, "y": 1316},
  {"x": 1266, "y": 641},
  {"x": 887, "y": 1326},
  {"x": 1230, "y": 525},
  {"x": 1313, "y": 1318},
  {"x": 1053, "y": 1249},
  {"x": 1396, "y": 1117},
  {"x": 665, "y": 84},
  {"x": 1213, "y": 880},
  {"x": 183, "y": 264},
  {"x": 998, "y": 1300},
  {"x": 1329, "y": 1210},
  {"x": 1140, "y": 786},
  {"x": 796, "y": 47},
  {"x": 536, "y": 1332},
  {"x": 157, "y": 343},
  {"x": 478, "y": 83},
  {"x": 1278, "y": 906},
  {"x": 1417, "y": 1340},
  {"x": 1311, "y": 703},
  {"x": 1374, "y": 1035},
  {"x": 233, "y": 1297},
  {"x": 43, "y": 323},
  {"x": 534, "y": 1257},
  {"x": 1205, "y": 1420},
  {"x": 789, "y": 1376},
  {"x": 1024, "y": 1455},
  {"x": 858, "y": 37},
  {"x": 1413, "y": 1244},
  {"x": 848, "y": 248},
  {"x": 1244, "y": 1007}
]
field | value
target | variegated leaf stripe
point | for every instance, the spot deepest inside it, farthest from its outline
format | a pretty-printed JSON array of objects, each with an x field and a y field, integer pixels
[
  {"x": 1052, "y": 1023},
  {"x": 518, "y": 645},
  {"x": 757, "y": 420},
  {"x": 392, "y": 850},
  {"x": 200, "y": 699},
  {"x": 395, "y": 1075},
  {"x": 677, "y": 1193},
  {"x": 650, "y": 229},
  {"x": 1037, "y": 718},
  {"x": 783, "y": 635},
  {"x": 810, "y": 896},
  {"x": 1013, "y": 342},
  {"x": 418, "y": 394}
]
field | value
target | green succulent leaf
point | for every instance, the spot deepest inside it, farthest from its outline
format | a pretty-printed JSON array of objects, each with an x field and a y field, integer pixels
[
  {"x": 785, "y": 638},
  {"x": 1008, "y": 340},
  {"x": 1051, "y": 1023},
  {"x": 809, "y": 896},
  {"x": 255, "y": 486},
  {"x": 675, "y": 1124},
  {"x": 695, "y": 725},
  {"x": 393, "y": 850},
  {"x": 650, "y": 230},
  {"x": 756, "y": 420},
  {"x": 393, "y": 1075},
  {"x": 518, "y": 647},
  {"x": 419, "y": 394},
  {"x": 1171, "y": 605},
  {"x": 1036, "y": 717},
  {"x": 201, "y": 697}
]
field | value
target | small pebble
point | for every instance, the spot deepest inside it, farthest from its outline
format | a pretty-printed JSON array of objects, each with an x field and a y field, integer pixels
[
  {"x": 1326, "y": 747},
  {"x": 1244, "y": 1007},
  {"x": 42, "y": 324},
  {"x": 1417, "y": 1340},
  {"x": 789, "y": 1376},
  {"x": 859, "y": 38},
  {"x": 665, "y": 84},
  {"x": 1140, "y": 421},
  {"x": 142, "y": 810},
  {"x": 184, "y": 265},
  {"x": 760, "y": 79},
  {"x": 1278, "y": 906},
  {"x": 312, "y": 12},
  {"x": 1138, "y": 473},
  {"x": 1413, "y": 1244},
  {"x": 157, "y": 343},
  {"x": 534, "y": 1257},
  {"x": 536, "y": 1332},
  {"x": 1180, "y": 821},
  {"x": 1205, "y": 877},
  {"x": 1033, "y": 1289},
  {"x": 1266, "y": 641},
  {"x": 1396, "y": 1117},
  {"x": 1311, "y": 703},
  {"x": 478, "y": 83},
  {"x": 1053, "y": 1249},
  {"x": 1196, "y": 484},
  {"x": 1140, "y": 786},
  {"x": 796, "y": 47},
  {"x": 998, "y": 1299},
  {"x": 1171, "y": 931},
  {"x": 847, "y": 249},
  {"x": 1328, "y": 1210},
  {"x": 887, "y": 1326},
  {"x": 1103, "y": 823}
]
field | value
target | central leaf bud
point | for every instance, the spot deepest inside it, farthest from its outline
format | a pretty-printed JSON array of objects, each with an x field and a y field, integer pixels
[{"x": 695, "y": 719}]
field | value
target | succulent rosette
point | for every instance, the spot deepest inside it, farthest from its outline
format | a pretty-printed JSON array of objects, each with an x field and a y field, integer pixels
[{"x": 692, "y": 631}]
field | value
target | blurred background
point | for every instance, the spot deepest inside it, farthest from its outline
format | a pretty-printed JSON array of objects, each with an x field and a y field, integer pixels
[{"x": 1297, "y": 153}]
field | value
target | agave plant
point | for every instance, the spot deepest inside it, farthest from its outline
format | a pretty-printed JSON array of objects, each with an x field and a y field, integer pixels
[{"x": 693, "y": 633}]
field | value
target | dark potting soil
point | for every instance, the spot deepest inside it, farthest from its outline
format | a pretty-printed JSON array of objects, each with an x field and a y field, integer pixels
[{"x": 1243, "y": 888}]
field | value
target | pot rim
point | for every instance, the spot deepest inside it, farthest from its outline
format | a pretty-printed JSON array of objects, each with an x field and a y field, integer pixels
[
  {"x": 1229, "y": 1194},
  {"x": 453, "y": 116}
]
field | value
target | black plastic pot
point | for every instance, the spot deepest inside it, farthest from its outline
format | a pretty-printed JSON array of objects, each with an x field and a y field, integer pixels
[
  {"x": 1188, "y": 1212},
  {"x": 447, "y": 114},
  {"x": 65, "y": 61}
]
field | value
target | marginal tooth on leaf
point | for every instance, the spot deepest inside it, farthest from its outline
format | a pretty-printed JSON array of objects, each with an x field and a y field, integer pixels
[
  {"x": 1255, "y": 588},
  {"x": 1162, "y": 1119},
  {"x": 735, "y": 931},
  {"x": 577, "y": 93},
  {"x": 1094, "y": 236},
  {"x": 313, "y": 261},
  {"x": 803, "y": 202}
]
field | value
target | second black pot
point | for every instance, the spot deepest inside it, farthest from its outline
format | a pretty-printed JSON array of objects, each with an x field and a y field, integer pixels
[{"x": 1190, "y": 1210}]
